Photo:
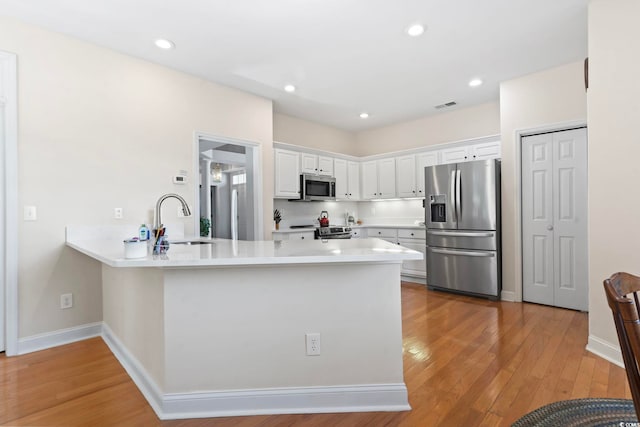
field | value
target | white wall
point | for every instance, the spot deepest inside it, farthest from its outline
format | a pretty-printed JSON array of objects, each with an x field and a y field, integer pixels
[
  {"x": 458, "y": 125},
  {"x": 292, "y": 130},
  {"x": 537, "y": 100},
  {"x": 614, "y": 150},
  {"x": 99, "y": 130}
]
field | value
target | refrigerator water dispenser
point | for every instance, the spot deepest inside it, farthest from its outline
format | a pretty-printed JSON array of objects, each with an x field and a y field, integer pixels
[{"x": 437, "y": 203}]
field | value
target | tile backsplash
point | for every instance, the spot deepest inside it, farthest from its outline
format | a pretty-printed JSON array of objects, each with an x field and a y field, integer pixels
[{"x": 393, "y": 212}]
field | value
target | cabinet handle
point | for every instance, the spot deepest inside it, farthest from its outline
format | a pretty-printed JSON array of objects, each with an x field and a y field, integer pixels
[
  {"x": 414, "y": 191},
  {"x": 302, "y": 237},
  {"x": 412, "y": 234}
]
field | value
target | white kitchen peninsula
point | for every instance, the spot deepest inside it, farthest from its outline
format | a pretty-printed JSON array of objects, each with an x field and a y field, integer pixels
[{"x": 219, "y": 329}]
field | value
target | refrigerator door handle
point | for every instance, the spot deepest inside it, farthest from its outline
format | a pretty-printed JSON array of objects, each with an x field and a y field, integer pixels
[
  {"x": 460, "y": 234},
  {"x": 458, "y": 196},
  {"x": 465, "y": 253},
  {"x": 452, "y": 191}
]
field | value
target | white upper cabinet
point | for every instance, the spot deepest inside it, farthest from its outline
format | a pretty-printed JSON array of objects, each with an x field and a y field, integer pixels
[
  {"x": 378, "y": 179},
  {"x": 309, "y": 163},
  {"x": 347, "y": 176},
  {"x": 384, "y": 178},
  {"x": 342, "y": 178},
  {"x": 316, "y": 165},
  {"x": 287, "y": 174},
  {"x": 423, "y": 160},
  {"x": 369, "y": 179},
  {"x": 486, "y": 150},
  {"x": 406, "y": 176},
  {"x": 353, "y": 174},
  {"x": 410, "y": 173},
  {"x": 454, "y": 155},
  {"x": 387, "y": 178},
  {"x": 467, "y": 153},
  {"x": 325, "y": 165}
]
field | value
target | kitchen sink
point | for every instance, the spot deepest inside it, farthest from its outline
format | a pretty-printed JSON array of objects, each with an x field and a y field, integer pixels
[{"x": 192, "y": 242}]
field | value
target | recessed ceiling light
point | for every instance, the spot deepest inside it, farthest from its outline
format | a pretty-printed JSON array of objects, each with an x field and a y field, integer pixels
[
  {"x": 475, "y": 82},
  {"x": 415, "y": 30},
  {"x": 290, "y": 88},
  {"x": 364, "y": 115},
  {"x": 165, "y": 44}
]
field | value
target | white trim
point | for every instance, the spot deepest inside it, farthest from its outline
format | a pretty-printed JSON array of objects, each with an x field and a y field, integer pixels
[
  {"x": 59, "y": 337},
  {"x": 606, "y": 350},
  {"x": 257, "y": 179},
  {"x": 421, "y": 280},
  {"x": 518, "y": 135},
  {"x": 136, "y": 371},
  {"x": 508, "y": 296},
  {"x": 294, "y": 400},
  {"x": 8, "y": 63}
]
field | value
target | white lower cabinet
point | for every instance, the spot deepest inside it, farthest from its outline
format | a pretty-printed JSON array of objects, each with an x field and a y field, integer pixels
[
  {"x": 388, "y": 234},
  {"x": 411, "y": 239},
  {"x": 416, "y": 240},
  {"x": 301, "y": 235},
  {"x": 358, "y": 233}
]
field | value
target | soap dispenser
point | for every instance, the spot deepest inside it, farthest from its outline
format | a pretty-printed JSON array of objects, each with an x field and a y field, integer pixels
[{"x": 143, "y": 232}]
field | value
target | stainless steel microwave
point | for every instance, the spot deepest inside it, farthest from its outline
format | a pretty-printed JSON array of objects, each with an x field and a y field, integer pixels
[{"x": 315, "y": 188}]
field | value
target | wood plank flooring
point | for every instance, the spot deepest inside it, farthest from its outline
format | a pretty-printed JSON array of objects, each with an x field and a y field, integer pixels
[{"x": 467, "y": 362}]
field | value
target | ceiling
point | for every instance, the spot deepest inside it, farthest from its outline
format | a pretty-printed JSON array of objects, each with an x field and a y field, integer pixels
[{"x": 344, "y": 56}]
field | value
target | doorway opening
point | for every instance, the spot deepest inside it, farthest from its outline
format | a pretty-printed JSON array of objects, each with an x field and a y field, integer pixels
[{"x": 228, "y": 195}]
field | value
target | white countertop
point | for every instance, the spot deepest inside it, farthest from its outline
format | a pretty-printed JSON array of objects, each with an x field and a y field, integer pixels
[{"x": 222, "y": 252}]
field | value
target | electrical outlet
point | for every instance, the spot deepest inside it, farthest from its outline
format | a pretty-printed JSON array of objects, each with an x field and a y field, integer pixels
[
  {"x": 66, "y": 301},
  {"x": 313, "y": 344},
  {"x": 118, "y": 213},
  {"x": 30, "y": 213}
]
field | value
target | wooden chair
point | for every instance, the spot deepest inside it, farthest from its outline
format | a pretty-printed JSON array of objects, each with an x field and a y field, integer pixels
[{"x": 622, "y": 294}]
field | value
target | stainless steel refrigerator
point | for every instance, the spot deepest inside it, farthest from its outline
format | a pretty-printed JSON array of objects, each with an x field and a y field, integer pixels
[{"x": 462, "y": 216}]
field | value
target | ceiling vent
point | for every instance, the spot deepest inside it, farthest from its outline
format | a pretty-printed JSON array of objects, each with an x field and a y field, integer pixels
[{"x": 446, "y": 105}]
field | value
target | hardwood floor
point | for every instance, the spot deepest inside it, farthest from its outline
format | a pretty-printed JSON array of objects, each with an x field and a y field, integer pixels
[{"x": 467, "y": 362}]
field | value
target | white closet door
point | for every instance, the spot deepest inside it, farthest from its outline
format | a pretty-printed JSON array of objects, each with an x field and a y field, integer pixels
[
  {"x": 537, "y": 219},
  {"x": 554, "y": 219},
  {"x": 570, "y": 224}
]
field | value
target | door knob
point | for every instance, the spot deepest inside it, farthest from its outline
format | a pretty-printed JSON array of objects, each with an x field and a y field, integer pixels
[{"x": 549, "y": 227}]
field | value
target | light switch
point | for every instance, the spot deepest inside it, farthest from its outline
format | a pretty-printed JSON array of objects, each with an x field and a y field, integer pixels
[{"x": 30, "y": 213}]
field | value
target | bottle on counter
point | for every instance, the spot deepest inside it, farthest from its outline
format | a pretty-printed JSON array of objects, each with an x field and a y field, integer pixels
[{"x": 143, "y": 232}]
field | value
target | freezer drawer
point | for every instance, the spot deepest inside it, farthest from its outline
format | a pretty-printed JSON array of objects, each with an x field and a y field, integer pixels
[
  {"x": 474, "y": 272},
  {"x": 463, "y": 239}
]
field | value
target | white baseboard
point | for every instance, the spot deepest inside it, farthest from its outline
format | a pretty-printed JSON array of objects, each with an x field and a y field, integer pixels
[
  {"x": 136, "y": 371},
  {"x": 59, "y": 337},
  {"x": 414, "y": 279},
  {"x": 606, "y": 350},
  {"x": 508, "y": 296},
  {"x": 300, "y": 400}
]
